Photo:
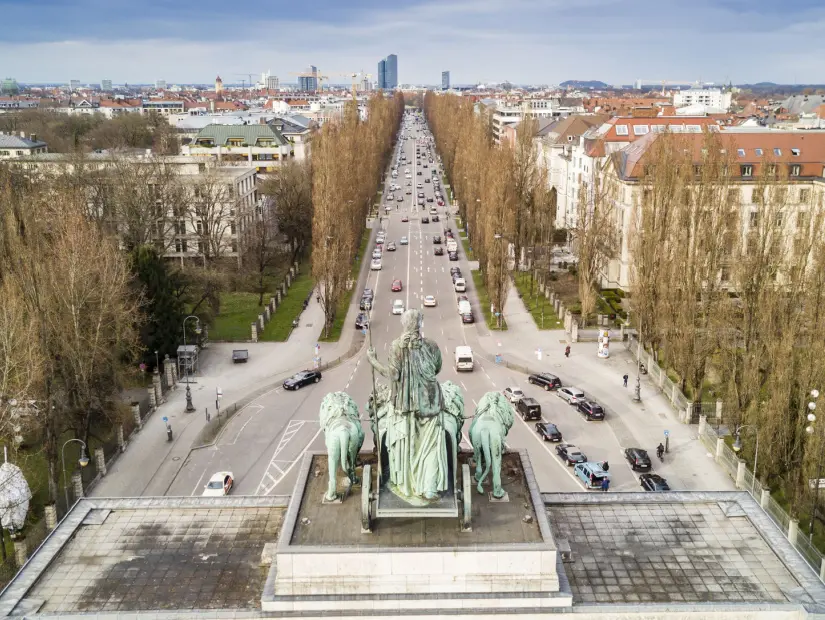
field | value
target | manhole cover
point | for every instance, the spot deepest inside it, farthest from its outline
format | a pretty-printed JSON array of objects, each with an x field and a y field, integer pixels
[
  {"x": 175, "y": 458},
  {"x": 309, "y": 324}
]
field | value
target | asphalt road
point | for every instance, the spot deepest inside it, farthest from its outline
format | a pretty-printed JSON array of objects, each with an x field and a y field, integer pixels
[{"x": 264, "y": 442}]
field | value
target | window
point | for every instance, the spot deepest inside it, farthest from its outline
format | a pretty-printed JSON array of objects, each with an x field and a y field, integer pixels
[
  {"x": 621, "y": 130},
  {"x": 740, "y": 152},
  {"x": 201, "y": 247},
  {"x": 747, "y": 170},
  {"x": 802, "y": 220},
  {"x": 725, "y": 274},
  {"x": 779, "y": 219},
  {"x": 771, "y": 169},
  {"x": 180, "y": 227},
  {"x": 796, "y": 170},
  {"x": 640, "y": 130},
  {"x": 753, "y": 219},
  {"x": 693, "y": 129},
  {"x": 795, "y": 152},
  {"x": 658, "y": 128},
  {"x": 759, "y": 152},
  {"x": 697, "y": 169},
  {"x": 803, "y": 195},
  {"x": 235, "y": 246},
  {"x": 778, "y": 152},
  {"x": 232, "y": 228}
]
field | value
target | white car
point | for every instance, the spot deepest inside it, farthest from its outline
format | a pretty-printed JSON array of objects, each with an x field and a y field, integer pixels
[
  {"x": 376, "y": 253},
  {"x": 404, "y": 241},
  {"x": 375, "y": 265},
  {"x": 571, "y": 394},
  {"x": 429, "y": 301},
  {"x": 398, "y": 306},
  {"x": 513, "y": 394},
  {"x": 219, "y": 484}
]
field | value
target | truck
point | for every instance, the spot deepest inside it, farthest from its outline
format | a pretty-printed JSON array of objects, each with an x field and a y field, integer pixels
[{"x": 463, "y": 358}]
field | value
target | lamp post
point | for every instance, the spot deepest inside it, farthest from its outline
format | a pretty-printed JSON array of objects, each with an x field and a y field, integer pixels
[
  {"x": 811, "y": 417},
  {"x": 197, "y": 331},
  {"x": 83, "y": 461},
  {"x": 737, "y": 444}
]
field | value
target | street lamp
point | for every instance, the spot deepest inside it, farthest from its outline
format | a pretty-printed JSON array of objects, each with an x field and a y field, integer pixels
[
  {"x": 197, "y": 331},
  {"x": 737, "y": 444},
  {"x": 83, "y": 461},
  {"x": 811, "y": 417}
]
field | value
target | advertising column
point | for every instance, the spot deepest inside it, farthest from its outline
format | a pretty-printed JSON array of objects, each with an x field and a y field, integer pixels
[{"x": 604, "y": 343}]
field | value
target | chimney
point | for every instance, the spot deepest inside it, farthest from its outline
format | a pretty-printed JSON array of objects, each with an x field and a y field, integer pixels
[
  {"x": 33, "y": 137},
  {"x": 22, "y": 134}
]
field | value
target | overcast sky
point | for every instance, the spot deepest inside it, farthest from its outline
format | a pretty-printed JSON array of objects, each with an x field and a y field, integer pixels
[{"x": 523, "y": 41}]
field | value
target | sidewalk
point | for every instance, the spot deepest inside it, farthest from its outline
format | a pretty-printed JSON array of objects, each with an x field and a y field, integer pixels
[
  {"x": 642, "y": 424},
  {"x": 150, "y": 462}
]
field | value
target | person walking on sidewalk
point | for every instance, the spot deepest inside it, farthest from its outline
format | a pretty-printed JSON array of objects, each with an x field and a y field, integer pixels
[
  {"x": 567, "y": 351},
  {"x": 625, "y": 379}
]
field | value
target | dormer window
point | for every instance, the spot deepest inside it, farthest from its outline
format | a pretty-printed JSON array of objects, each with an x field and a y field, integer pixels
[
  {"x": 777, "y": 152},
  {"x": 795, "y": 152},
  {"x": 759, "y": 152},
  {"x": 740, "y": 152},
  {"x": 640, "y": 130},
  {"x": 621, "y": 130}
]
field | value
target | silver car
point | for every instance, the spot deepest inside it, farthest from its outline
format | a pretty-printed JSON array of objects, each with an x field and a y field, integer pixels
[{"x": 571, "y": 394}]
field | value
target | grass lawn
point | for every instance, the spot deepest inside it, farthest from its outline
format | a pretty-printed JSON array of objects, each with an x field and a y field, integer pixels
[
  {"x": 484, "y": 300},
  {"x": 280, "y": 326},
  {"x": 343, "y": 305},
  {"x": 465, "y": 241},
  {"x": 238, "y": 311},
  {"x": 537, "y": 304}
]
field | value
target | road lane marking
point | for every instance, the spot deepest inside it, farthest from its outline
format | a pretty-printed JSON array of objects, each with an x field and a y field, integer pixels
[
  {"x": 290, "y": 431},
  {"x": 260, "y": 408},
  {"x": 293, "y": 463}
]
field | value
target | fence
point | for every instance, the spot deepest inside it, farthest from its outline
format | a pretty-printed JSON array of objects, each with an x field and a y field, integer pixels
[{"x": 727, "y": 459}]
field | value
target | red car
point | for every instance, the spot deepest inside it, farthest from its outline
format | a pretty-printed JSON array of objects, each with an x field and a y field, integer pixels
[
  {"x": 440, "y": 203},
  {"x": 396, "y": 286},
  {"x": 405, "y": 219}
]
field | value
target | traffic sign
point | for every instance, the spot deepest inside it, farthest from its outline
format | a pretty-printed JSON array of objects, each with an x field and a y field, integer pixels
[
  {"x": 667, "y": 433},
  {"x": 165, "y": 419}
]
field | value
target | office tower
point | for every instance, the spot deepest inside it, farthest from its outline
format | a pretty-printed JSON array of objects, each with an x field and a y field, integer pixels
[
  {"x": 309, "y": 81},
  {"x": 106, "y": 86},
  {"x": 9, "y": 87},
  {"x": 391, "y": 71},
  {"x": 160, "y": 84},
  {"x": 445, "y": 80},
  {"x": 382, "y": 74},
  {"x": 74, "y": 85},
  {"x": 272, "y": 82}
]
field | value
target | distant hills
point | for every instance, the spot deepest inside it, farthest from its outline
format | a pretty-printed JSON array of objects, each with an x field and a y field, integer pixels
[{"x": 594, "y": 84}]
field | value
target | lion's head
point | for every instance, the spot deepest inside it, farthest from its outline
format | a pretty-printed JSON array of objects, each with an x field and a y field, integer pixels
[
  {"x": 495, "y": 404},
  {"x": 338, "y": 405}
]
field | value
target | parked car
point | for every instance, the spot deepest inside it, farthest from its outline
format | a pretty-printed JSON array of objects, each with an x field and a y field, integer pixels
[
  {"x": 529, "y": 408},
  {"x": 376, "y": 253},
  {"x": 240, "y": 356},
  {"x": 571, "y": 394},
  {"x": 366, "y": 303},
  {"x": 435, "y": 218},
  {"x": 548, "y": 432},
  {"x": 590, "y": 409},
  {"x": 570, "y": 454},
  {"x": 425, "y": 220},
  {"x": 299, "y": 380},
  {"x": 468, "y": 317},
  {"x": 545, "y": 380},
  {"x": 455, "y": 270},
  {"x": 653, "y": 482},
  {"x": 590, "y": 474},
  {"x": 453, "y": 255},
  {"x": 398, "y": 306},
  {"x": 219, "y": 484},
  {"x": 439, "y": 251},
  {"x": 361, "y": 321},
  {"x": 513, "y": 394},
  {"x": 638, "y": 459},
  {"x": 396, "y": 286}
]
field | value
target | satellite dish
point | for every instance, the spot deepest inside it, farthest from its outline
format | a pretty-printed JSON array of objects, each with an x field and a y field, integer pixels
[{"x": 15, "y": 496}]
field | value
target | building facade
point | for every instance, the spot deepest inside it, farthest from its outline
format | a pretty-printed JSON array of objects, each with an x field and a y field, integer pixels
[
  {"x": 261, "y": 146},
  {"x": 392, "y": 72},
  {"x": 382, "y": 74},
  {"x": 511, "y": 113},
  {"x": 18, "y": 146},
  {"x": 106, "y": 86},
  {"x": 309, "y": 82},
  {"x": 712, "y": 98},
  {"x": 445, "y": 80}
]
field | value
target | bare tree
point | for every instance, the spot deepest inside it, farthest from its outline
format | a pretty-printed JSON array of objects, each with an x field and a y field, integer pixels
[
  {"x": 290, "y": 190},
  {"x": 212, "y": 208},
  {"x": 262, "y": 247}
]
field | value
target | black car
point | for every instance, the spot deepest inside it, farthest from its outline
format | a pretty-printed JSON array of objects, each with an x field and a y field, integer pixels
[
  {"x": 368, "y": 292},
  {"x": 591, "y": 410},
  {"x": 456, "y": 276},
  {"x": 570, "y": 454},
  {"x": 361, "y": 321},
  {"x": 439, "y": 251},
  {"x": 545, "y": 380},
  {"x": 366, "y": 303},
  {"x": 548, "y": 432},
  {"x": 435, "y": 218},
  {"x": 638, "y": 459},
  {"x": 437, "y": 238},
  {"x": 429, "y": 198},
  {"x": 453, "y": 255},
  {"x": 467, "y": 318},
  {"x": 305, "y": 377},
  {"x": 425, "y": 220},
  {"x": 455, "y": 270},
  {"x": 653, "y": 482}
]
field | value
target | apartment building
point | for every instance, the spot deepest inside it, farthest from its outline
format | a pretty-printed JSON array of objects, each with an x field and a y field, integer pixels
[
  {"x": 511, "y": 113},
  {"x": 18, "y": 146},
  {"x": 801, "y": 154},
  {"x": 164, "y": 107},
  {"x": 710, "y": 98},
  {"x": 261, "y": 145}
]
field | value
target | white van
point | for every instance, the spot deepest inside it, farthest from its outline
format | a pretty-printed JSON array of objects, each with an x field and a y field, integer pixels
[
  {"x": 463, "y": 358},
  {"x": 452, "y": 246},
  {"x": 464, "y": 307},
  {"x": 460, "y": 285}
]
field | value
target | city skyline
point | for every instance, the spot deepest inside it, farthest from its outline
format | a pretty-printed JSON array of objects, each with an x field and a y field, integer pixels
[{"x": 522, "y": 41}]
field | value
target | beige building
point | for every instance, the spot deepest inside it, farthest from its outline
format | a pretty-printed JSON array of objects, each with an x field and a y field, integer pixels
[
  {"x": 17, "y": 146},
  {"x": 258, "y": 145}
]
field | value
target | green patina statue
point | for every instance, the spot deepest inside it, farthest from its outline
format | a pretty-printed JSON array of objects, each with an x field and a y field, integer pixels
[
  {"x": 343, "y": 435},
  {"x": 493, "y": 420},
  {"x": 415, "y": 415}
]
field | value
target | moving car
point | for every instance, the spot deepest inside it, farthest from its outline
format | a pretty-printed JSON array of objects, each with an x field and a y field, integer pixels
[
  {"x": 219, "y": 484},
  {"x": 638, "y": 459},
  {"x": 653, "y": 482},
  {"x": 548, "y": 432},
  {"x": 398, "y": 306},
  {"x": 570, "y": 454},
  {"x": 361, "y": 321},
  {"x": 437, "y": 239},
  {"x": 396, "y": 286},
  {"x": 529, "y": 408},
  {"x": 440, "y": 202},
  {"x": 425, "y": 220},
  {"x": 391, "y": 246},
  {"x": 305, "y": 377},
  {"x": 590, "y": 409},
  {"x": 439, "y": 251},
  {"x": 435, "y": 218},
  {"x": 405, "y": 219},
  {"x": 513, "y": 394},
  {"x": 545, "y": 380},
  {"x": 375, "y": 265},
  {"x": 571, "y": 394},
  {"x": 400, "y": 199},
  {"x": 404, "y": 241},
  {"x": 429, "y": 301}
]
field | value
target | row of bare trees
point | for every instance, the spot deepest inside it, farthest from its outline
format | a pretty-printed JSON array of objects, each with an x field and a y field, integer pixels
[
  {"x": 349, "y": 157},
  {"x": 502, "y": 191}
]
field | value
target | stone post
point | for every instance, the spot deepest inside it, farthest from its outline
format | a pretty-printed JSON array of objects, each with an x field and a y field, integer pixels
[
  {"x": 267, "y": 314},
  {"x": 599, "y": 318},
  {"x": 121, "y": 441},
  {"x": 272, "y": 304},
  {"x": 718, "y": 411},
  {"x": 661, "y": 377},
  {"x": 100, "y": 461},
  {"x": 158, "y": 388},
  {"x": 621, "y": 332},
  {"x": 703, "y": 422},
  {"x": 740, "y": 474},
  {"x": 153, "y": 403},
  {"x": 556, "y": 305},
  {"x": 277, "y": 298},
  {"x": 541, "y": 288},
  {"x": 254, "y": 332},
  {"x": 687, "y": 413},
  {"x": 822, "y": 570},
  {"x": 292, "y": 270},
  {"x": 261, "y": 323},
  {"x": 168, "y": 365},
  {"x": 175, "y": 373},
  {"x": 295, "y": 265},
  {"x": 51, "y": 516},
  {"x": 674, "y": 393},
  {"x": 720, "y": 446},
  {"x": 793, "y": 531},
  {"x": 77, "y": 483},
  {"x": 574, "y": 331},
  {"x": 288, "y": 280},
  {"x": 548, "y": 295},
  {"x": 21, "y": 552},
  {"x": 136, "y": 415},
  {"x": 764, "y": 498}
]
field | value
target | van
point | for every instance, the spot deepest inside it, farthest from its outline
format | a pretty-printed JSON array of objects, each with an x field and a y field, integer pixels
[
  {"x": 460, "y": 285},
  {"x": 529, "y": 408},
  {"x": 452, "y": 246},
  {"x": 464, "y": 307},
  {"x": 590, "y": 474},
  {"x": 463, "y": 358}
]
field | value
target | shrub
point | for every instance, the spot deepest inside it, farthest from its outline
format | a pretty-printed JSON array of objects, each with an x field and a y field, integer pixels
[
  {"x": 620, "y": 293},
  {"x": 572, "y": 270},
  {"x": 553, "y": 277}
]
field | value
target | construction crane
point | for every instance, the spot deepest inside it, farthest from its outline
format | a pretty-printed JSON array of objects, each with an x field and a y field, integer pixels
[
  {"x": 249, "y": 75},
  {"x": 317, "y": 75},
  {"x": 664, "y": 83}
]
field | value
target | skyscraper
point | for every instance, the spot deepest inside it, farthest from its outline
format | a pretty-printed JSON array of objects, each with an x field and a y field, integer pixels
[
  {"x": 160, "y": 84},
  {"x": 391, "y": 74},
  {"x": 382, "y": 74},
  {"x": 445, "y": 80},
  {"x": 309, "y": 83},
  {"x": 106, "y": 85}
]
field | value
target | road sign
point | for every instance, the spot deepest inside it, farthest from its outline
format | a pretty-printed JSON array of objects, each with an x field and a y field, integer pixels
[
  {"x": 165, "y": 419},
  {"x": 219, "y": 393},
  {"x": 667, "y": 433}
]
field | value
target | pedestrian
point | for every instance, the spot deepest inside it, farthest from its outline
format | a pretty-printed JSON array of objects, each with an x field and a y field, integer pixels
[
  {"x": 625, "y": 379},
  {"x": 567, "y": 351},
  {"x": 605, "y": 484}
]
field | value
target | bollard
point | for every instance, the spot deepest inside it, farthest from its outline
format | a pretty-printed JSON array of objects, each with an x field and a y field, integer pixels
[
  {"x": 77, "y": 483},
  {"x": 51, "y": 516},
  {"x": 100, "y": 461},
  {"x": 254, "y": 332},
  {"x": 136, "y": 415},
  {"x": 267, "y": 314},
  {"x": 278, "y": 298},
  {"x": 740, "y": 474},
  {"x": 121, "y": 442},
  {"x": 822, "y": 570},
  {"x": 21, "y": 552},
  {"x": 272, "y": 305},
  {"x": 793, "y": 531},
  {"x": 765, "y": 498}
]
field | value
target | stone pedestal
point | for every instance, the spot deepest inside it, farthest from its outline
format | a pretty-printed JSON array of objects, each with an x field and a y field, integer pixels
[
  {"x": 156, "y": 384},
  {"x": 121, "y": 440},
  {"x": 77, "y": 483},
  {"x": 51, "y": 516},
  {"x": 168, "y": 369},
  {"x": 100, "y": 461},
  {"x": 254, "y": 334},
  {"x": 136, "y": 415},
  {"x": 153, "y": 403},
  {"x": 21, "y": 552}
]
